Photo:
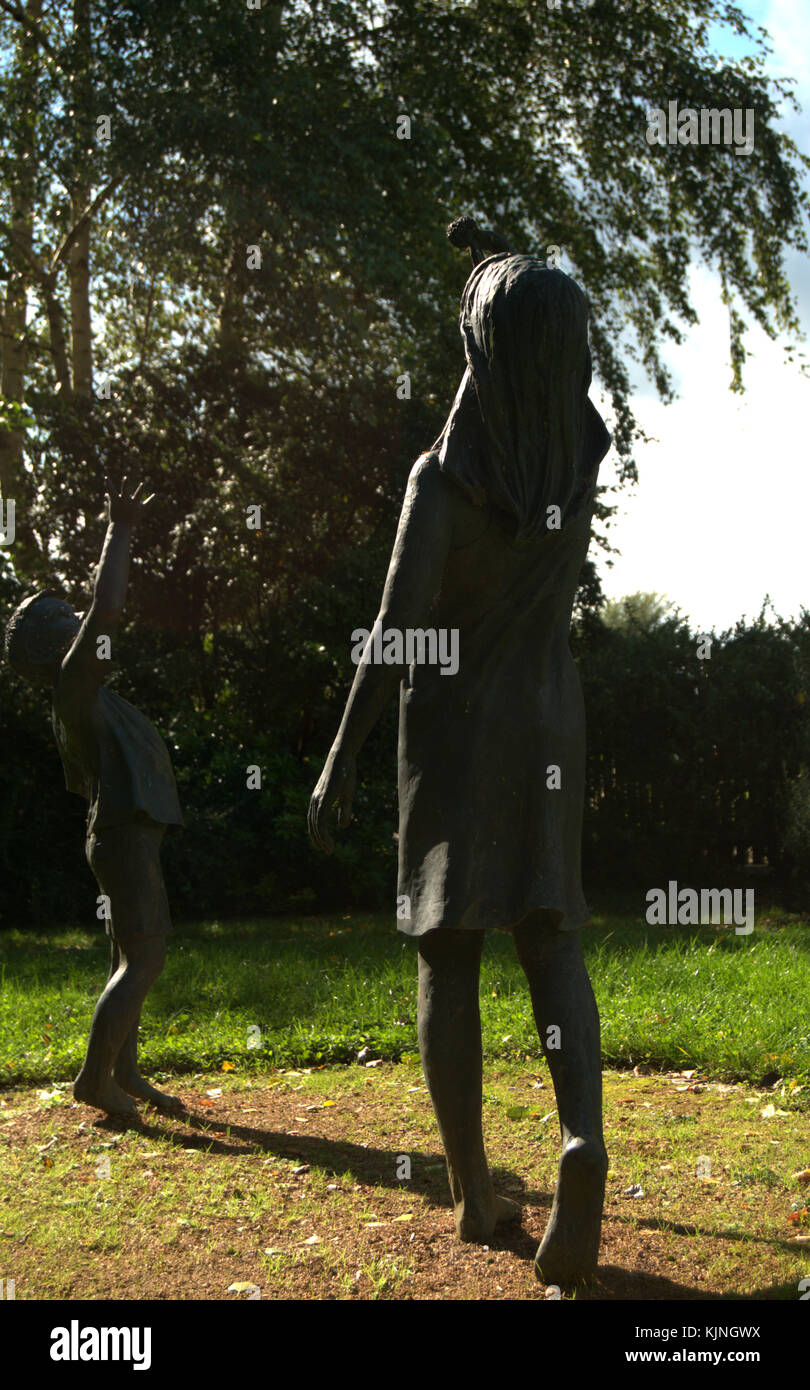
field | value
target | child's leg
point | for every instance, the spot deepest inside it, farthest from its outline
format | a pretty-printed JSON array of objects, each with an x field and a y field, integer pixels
[
  {"x": 140, "y": 961},
  {"x": 450, "y": 1044},
  {"x": 126, "y": 1071},
  {"x": 562, "y": 998},
  {"x": 126, "y": 862}
]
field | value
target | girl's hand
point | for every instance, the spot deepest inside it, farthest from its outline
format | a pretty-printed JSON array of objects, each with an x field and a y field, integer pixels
[
  {"x": 123, "y": 506},
  {"x": 335, "y": 788}
]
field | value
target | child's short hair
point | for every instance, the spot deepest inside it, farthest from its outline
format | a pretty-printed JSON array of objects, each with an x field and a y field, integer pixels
[{"x": 33, "y": 648}]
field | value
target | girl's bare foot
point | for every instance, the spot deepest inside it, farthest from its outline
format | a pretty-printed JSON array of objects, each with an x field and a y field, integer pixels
[
  {"x": 139, "y": 1087},
  {"x": 476, "y": 1222},
  {"x": 569, "y": 1249},
  {"x": 106, "y": 1095}
]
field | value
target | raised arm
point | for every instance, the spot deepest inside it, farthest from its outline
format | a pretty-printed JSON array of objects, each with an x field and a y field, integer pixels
[
  {"x": 414, "y": 577},
  {"x": 82, "y": 665}
]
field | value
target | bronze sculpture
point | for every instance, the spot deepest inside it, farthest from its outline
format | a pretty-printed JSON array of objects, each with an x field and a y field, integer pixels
[
  {"x": 115, "y": 758},
  {"x": 493, "y": 532}
]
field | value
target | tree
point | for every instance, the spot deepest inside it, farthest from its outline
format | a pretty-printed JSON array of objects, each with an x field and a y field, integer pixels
[
  {"x": 639, "y": 612},
  {"x": 277, "y": 128},
  {"x": 246, "y": 293}
]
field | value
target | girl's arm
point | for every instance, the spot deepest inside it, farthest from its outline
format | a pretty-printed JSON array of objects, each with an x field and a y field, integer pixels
[{"x": 414, "y": 577}]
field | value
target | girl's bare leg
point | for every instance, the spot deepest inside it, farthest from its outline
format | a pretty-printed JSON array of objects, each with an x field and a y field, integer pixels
[
  {"x": 562, "y": 999},
  {"x": 450, "y": 1044}
]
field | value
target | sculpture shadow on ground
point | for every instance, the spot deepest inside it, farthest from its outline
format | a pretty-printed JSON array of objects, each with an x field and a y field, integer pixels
[
  {"x": 377, "y": 1166},
  {"x": 339, "y": 1157}
]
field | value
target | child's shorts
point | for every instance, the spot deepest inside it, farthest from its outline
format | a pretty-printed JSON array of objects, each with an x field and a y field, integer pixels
[{"x": 126, "y": 862}]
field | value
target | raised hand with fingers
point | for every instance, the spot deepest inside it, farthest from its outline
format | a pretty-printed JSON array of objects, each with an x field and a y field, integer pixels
[{"x": 124, "y": 505}]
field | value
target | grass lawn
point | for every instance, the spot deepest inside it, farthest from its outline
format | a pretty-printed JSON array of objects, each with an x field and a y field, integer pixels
[{"x": 307, "y": 991}]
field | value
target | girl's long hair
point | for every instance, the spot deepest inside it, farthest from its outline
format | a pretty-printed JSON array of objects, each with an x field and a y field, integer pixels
[{"x": 522, "y": 434}]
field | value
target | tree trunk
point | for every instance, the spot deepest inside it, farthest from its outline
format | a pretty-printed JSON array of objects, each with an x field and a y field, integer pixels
[
  {"x": 56, "y": 325},
  {"x": 13, "y": 374},
  {"x": 80, "y": 323},
  {"x": 231, "y": 316},
  {"x": 230, "y": 324},
  {"x": 14, "y": 318},
  {"x": 79, "y": 256}
]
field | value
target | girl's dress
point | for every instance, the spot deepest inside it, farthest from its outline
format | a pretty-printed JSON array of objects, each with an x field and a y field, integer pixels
[{"x": 492, "y": 759}]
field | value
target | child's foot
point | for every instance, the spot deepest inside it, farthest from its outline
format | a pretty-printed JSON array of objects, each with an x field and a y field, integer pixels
[
  {"x": 106, "y": 1096},
  {"x": 569, "y": 1249},
  {"x": 139, "y": 1087},
  {"x": 476, "y": 1222}
]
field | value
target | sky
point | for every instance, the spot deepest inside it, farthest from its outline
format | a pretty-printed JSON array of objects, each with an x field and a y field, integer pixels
[{"x": 719, "y": 518}]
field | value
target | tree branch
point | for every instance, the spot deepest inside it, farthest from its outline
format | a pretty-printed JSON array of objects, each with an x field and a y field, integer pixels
[
  {"x": 69, "y": 237},
  {"x": 46, "y": 280},
  {"x": 28, "y": 23},
  {"x": 13, "y": 236}
]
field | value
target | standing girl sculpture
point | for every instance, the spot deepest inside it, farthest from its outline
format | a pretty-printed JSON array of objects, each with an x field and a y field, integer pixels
[{"x": 494, "y": 529}]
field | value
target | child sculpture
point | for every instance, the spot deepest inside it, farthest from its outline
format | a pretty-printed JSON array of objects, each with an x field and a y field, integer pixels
[{"x": 112, "y": 756}]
